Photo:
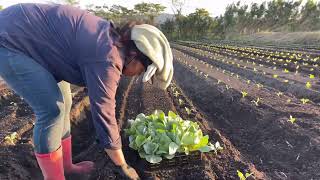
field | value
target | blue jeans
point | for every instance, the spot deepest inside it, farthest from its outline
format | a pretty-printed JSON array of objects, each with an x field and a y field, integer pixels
[{"x": 50, "y": 101}]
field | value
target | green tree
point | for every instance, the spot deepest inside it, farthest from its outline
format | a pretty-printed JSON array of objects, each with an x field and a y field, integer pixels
[
  {"x": 177, "y": 7},
  {"x": 149, "y": 10},
  {"x": 199, "y": 23},
  {"x": 72, "y": 2},
  {"x": 309, "y": 18}
]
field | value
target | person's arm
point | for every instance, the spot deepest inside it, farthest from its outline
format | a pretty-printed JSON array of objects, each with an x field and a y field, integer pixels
[{"x": 102, "y": 79}]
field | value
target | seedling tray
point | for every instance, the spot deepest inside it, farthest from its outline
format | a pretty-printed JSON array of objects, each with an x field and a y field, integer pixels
[{"x": 180, "y": 159}]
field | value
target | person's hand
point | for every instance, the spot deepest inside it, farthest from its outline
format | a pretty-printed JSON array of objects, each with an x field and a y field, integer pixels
[{"x": 128, "y": 172}]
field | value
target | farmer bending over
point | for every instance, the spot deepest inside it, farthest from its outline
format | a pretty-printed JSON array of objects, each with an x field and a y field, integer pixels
[{"x": 43, "y": 48}]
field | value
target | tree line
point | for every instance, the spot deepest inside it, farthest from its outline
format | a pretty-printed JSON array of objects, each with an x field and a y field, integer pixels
[
  {"x": 144, "y": 12},
  {"x": 238, "y": 19}
]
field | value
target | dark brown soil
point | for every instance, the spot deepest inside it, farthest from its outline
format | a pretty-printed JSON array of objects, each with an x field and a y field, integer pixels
[
  {"x": 257, "y": 139},
  {"x": 262, "y": 134}
]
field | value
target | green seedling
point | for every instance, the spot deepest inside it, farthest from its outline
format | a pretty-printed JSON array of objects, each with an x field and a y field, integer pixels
[
  {"x": 292, "y": 119},
  {"x": 216, "y": 147},
  {"x": 180, "y": 102},
  {"x": 159, "y": 136},
  {"x": 244, "y": 94},
  {"x": 242, "y": 176},
  {"x": 275, "y": 76},
  {"x": 279, "y": 94},
  {"x": 288, "y": 100},
  {"x": 256, "y": 102},
  {"x": 176, "y": 94},
  {"x": 259, "y": 86},
  {"x": 187, "y": 110},
  {"x": 304, "y": 100},
  {"x": 311, "y": 76},
  {"x": 308, "y": 85},
  {"x": 12, "y": 138}
]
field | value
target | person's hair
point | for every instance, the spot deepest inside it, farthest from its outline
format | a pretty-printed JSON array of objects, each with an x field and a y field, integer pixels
[{"x": 129, "y": 45}]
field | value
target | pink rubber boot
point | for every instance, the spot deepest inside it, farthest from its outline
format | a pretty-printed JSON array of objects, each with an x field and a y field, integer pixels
[
  {"x": 84, "y": 167},
  {"x": 51, "y": 165}
]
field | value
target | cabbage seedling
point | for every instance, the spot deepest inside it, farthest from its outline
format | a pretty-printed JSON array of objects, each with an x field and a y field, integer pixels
[
  {"x": 311, "y": 76},
  {"x": 256, "y": 102},
  {"x": 304, "y": 100},
  {"x": 259, "y": 86},
  {"x": 292, "y": 119},
  {"x": 180, "y": 102},
  {"x": 279, "y": 94},
  {"x": 187, "y": 110},
  {"x": 244, "y": 94},
  {"x": 308, "y": 85},
  {"x": 242, "y": 176},
  {"x": 176, "y": 93},
  {"x": 12, "y": 138},
  {"x": 158, "y": 136}
]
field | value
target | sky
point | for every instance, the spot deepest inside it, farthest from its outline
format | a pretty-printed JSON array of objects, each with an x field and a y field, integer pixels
[{"x": 215, "y": 7}]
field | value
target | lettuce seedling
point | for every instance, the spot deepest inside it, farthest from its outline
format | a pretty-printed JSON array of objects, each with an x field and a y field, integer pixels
[
  {"x": 279, "y": 94},
  {"x": 304, "y": 100},
  {"x": 311, "y": 76},
  {"x": 292, "y": 119},
  {"x": 256, "y": 102},
  {"x": 180, "y": 102},
  {"x": 12, "y": 138},
  {"x": 187, "y": 110},
  {"x": 176, "y": 93},
  {"x": 244, "y": 94},
  {"x": 158, "y": 136},
  {"x": 242, "y": 176},
  {"x": 308, "y": 85}
]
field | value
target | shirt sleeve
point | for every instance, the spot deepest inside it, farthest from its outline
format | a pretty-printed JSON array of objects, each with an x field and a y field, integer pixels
[{"x": 102, "y": 79}]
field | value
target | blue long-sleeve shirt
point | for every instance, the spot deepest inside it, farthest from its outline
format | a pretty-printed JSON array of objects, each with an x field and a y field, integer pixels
[{"x": 74, "y": 46}]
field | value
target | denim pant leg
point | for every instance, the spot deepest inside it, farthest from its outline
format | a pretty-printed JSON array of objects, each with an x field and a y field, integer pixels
[
  {"x": 40, "y": 90},
  {"x": 67, "y": 98}
]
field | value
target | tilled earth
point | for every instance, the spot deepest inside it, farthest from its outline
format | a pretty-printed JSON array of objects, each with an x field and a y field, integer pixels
[{"x": 255, "y": 139}]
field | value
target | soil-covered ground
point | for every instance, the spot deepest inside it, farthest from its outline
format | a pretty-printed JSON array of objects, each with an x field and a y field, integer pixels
[{"x": 253, "y": 129}]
